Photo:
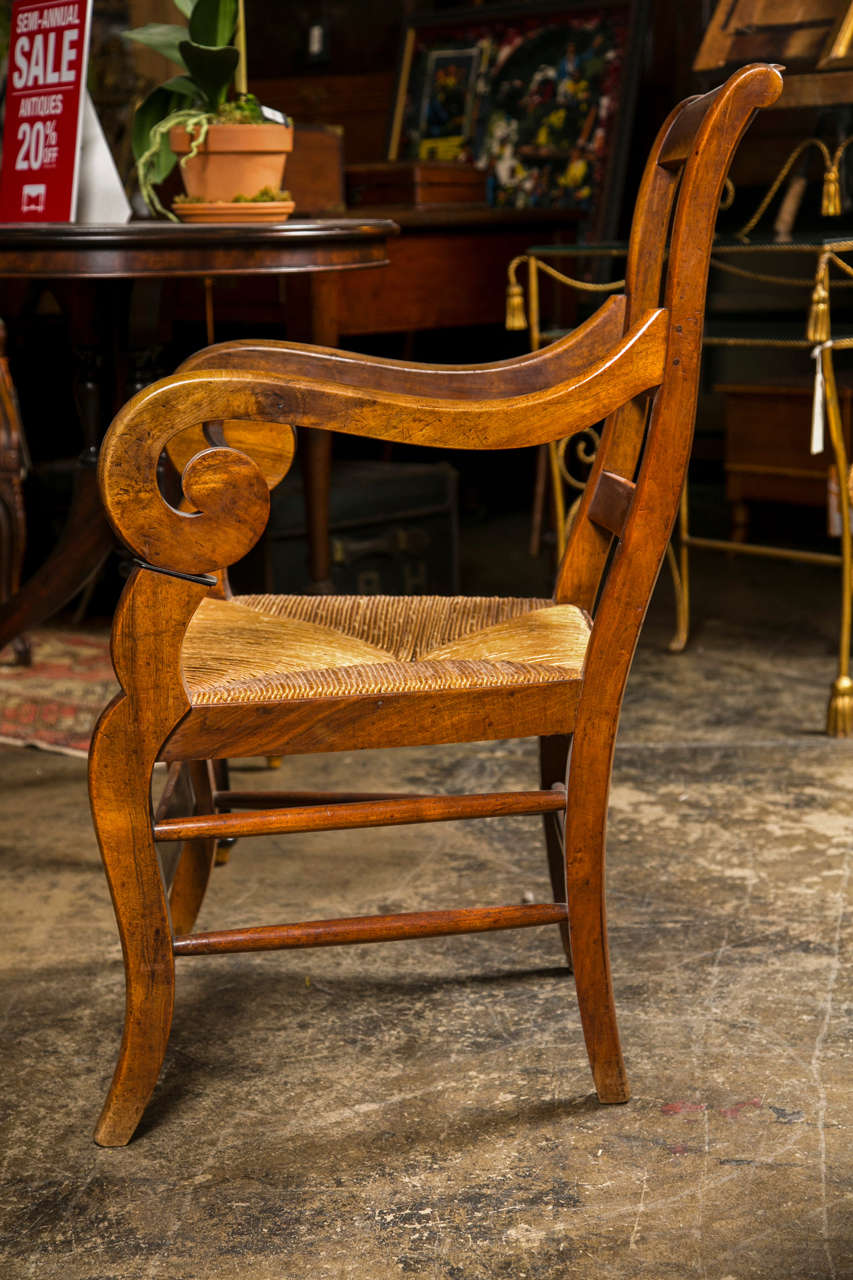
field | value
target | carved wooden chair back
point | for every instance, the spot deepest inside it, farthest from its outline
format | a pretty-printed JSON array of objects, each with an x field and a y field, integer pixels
[{"x": 204, "y": 677}]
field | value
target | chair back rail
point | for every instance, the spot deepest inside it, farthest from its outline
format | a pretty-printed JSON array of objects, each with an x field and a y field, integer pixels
[{"x": 588, "y": 545}]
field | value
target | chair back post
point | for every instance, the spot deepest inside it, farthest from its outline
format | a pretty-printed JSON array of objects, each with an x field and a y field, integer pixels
[
  {"x": 700, "y": 142},
  {"x": 716, "y": 125},
  {"x": 702, "y": 138},
  {"x": 588, "y": 545}
]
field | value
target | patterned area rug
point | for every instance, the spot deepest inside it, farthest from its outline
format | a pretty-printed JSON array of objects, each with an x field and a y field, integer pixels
[{"x": 53, "y": 704}]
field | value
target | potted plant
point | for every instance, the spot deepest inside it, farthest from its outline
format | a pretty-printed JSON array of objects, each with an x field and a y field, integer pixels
[{"x": 228, "y": 148}]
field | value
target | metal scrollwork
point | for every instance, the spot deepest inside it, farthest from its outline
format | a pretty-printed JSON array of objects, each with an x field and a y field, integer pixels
[
  {"x": 571, "y": 461},
  {"x": 577, "y": 451}
]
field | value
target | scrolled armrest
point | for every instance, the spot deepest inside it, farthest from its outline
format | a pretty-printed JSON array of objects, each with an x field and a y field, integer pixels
[
  {"x": 225, "y": 525},
  {"x": 226, "y": 490}
]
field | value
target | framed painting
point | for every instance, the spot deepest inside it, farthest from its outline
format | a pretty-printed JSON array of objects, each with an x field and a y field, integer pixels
[{"x": 538, "y": 95}]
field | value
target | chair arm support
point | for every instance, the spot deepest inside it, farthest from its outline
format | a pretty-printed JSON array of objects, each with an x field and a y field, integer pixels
[
  {"x": 530, "y": 372},
  {"x": 228, "y": 490}
]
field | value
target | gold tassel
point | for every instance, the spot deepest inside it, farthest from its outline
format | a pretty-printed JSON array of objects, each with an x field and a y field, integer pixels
[
  {"x": 818, "y": 325},
  {"x": 515, "y": 316},
  {"x": 839, "y": 716},
  {"x": 830, "y": 205}
]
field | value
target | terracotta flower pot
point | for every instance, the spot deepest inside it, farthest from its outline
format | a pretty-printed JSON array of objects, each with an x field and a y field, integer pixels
[{"x": 234, "y": 159}]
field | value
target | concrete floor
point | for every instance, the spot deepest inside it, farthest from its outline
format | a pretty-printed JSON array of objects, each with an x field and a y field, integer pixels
[{"x": 425, "y": 1109}]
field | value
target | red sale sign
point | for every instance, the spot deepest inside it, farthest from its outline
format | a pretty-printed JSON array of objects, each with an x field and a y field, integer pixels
[{"x": 48, "y": 55}]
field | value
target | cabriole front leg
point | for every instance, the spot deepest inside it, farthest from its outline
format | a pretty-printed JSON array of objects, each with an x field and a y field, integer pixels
[
  {"x": 120, "y": 779},
  {"x": 146, "y": 642}
]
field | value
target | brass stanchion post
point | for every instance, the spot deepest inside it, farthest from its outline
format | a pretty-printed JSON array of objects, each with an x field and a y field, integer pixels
[{"x": 839, "y": 716}]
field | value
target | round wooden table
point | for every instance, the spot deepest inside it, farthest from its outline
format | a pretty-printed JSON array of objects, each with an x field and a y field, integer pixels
[
  {"x": 319, "y": 249},
  {"x": 134, "y": 249}
]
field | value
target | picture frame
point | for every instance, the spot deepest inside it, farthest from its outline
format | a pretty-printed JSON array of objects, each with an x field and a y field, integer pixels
[
  {"x": 538, "y": 95},
  {"x": 837, "y": 54},
  {"x": 818, "y": 35}
]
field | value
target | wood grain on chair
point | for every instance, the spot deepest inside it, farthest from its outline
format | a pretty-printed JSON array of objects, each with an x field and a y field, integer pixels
[{"x": 204, "y": 678}]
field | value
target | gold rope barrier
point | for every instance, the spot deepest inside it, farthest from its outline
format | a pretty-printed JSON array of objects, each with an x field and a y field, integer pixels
[
  {"x": 782, "y": 175},
  {"x": 515, "y": 316}
]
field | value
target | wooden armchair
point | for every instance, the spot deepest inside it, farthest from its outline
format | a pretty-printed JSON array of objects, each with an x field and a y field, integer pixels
[{"x": 205, "y": 677}]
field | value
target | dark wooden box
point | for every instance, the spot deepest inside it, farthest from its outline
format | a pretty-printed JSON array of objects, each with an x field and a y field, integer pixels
[
  {"x": 420, "y": 182},
  {"x": 392, "y": 525},
  {"x": 314, "y": 175},
  {"x": 768, "y": 434}
]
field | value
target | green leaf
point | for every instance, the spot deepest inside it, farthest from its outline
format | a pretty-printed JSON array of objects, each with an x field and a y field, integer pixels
[
  {"x": 185, "y": 6},
  {"x": 161, "y": 102},
  {"x": 151, "y": 111},
  {"x": 211, "y": 69},
  {"x": 183, "y": 87},
  {"x": 163, "y": 37},
  {"x": 212, "y": 22},
  {"x": 175, "y": 95}
]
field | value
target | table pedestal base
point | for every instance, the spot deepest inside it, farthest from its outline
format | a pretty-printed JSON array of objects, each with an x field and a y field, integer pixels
[{"x": 83, "y": 547}]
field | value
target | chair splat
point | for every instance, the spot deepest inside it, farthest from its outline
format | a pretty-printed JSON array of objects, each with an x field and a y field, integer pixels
[{"x": 611, "y": 502}]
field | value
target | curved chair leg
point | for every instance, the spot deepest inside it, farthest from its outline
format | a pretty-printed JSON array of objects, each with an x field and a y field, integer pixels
[
  {"x": 196, "y": 860},
  {"x": 553, "y": 756},
  {"x": 147, "y": 634},
  {"x": 120, "y": 779},
  {"x": 591, "y": 962},
  {"x": 586, "y": 824}
]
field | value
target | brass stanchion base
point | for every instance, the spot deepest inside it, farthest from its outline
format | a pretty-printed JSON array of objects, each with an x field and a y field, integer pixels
[{"x": 839, "y": 715}]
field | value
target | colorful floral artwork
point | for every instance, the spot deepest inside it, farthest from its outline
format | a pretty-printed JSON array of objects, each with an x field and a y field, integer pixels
[{"x": 531, "y": 98}]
